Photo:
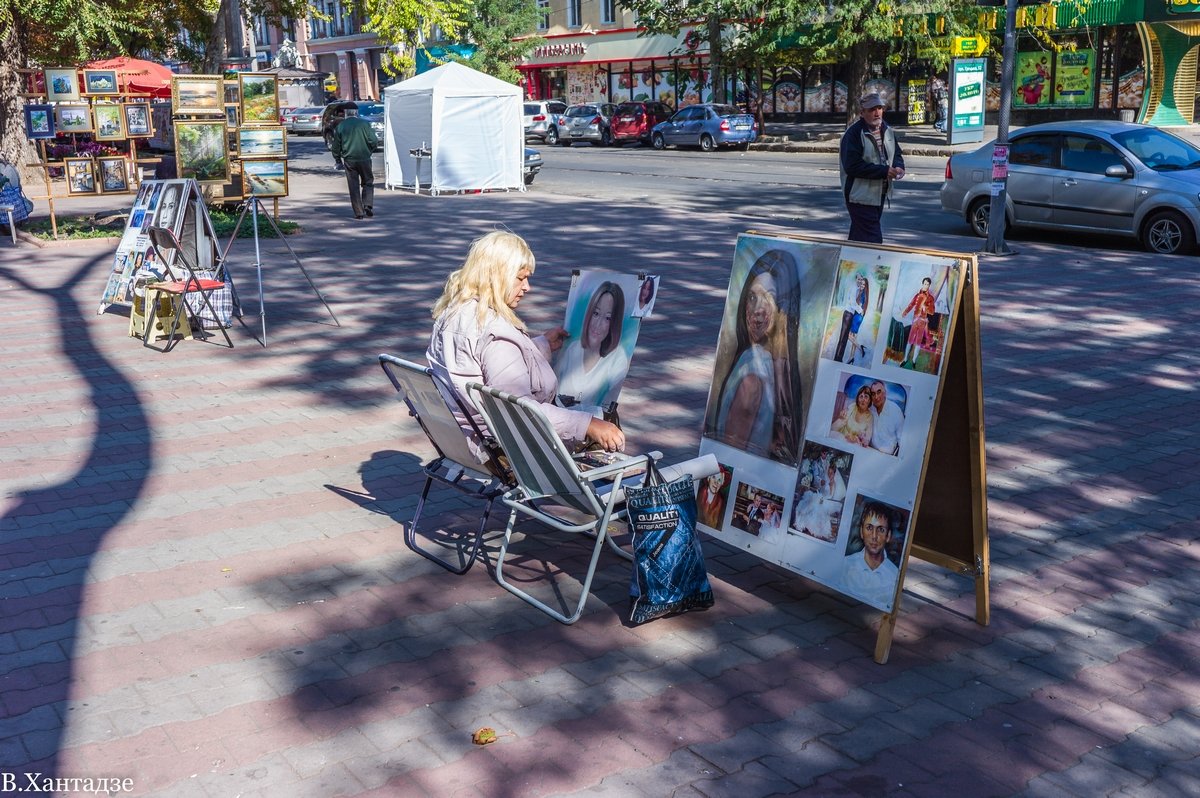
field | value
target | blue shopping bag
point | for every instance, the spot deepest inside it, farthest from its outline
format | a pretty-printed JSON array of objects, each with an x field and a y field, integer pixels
[{"x": 669, "y": 575}]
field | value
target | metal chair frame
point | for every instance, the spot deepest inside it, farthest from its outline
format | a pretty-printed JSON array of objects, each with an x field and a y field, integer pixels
[
  {"x": 162, "y": 240},
  {"x": 431, "y": 402},
  {"x": 547, "y": 475}
]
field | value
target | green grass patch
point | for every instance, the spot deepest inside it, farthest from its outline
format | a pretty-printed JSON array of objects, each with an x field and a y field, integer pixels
[
  {"x": 76, "y": 227},
  {"x": 223, "y": 221},
  {"x": 113, "y": 225}
]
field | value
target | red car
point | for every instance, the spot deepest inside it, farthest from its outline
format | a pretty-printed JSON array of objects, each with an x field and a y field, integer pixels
[{"x": 633, "y": 121}]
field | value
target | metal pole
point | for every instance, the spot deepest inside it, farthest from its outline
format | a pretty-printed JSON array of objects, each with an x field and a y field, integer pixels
[
  {"x": 262, "y": 310},
  {"x": 999, "y": 192}
]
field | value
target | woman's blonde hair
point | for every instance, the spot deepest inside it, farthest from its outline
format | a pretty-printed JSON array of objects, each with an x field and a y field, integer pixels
[{"x": 487, "y": 275}]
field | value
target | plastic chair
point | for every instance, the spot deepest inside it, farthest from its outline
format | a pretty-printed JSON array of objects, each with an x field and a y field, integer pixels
[
  {"x": 164, "y": 243},
  {"x": 546, "y": 476},
  {"x": 455, "y": 466}
]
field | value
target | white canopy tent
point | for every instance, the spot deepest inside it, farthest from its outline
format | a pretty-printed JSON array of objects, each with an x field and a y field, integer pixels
[{"x": 470, "y": 123}]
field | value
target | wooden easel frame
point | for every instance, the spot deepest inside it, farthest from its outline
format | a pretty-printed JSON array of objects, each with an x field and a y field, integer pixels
[{"x": 952, "y": 531}]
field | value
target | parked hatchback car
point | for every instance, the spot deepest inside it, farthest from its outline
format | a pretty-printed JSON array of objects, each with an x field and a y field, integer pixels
[
  {"x": 542, "y": 119},
  {"x": 1100, "y": 176},
  {"x": 587, "y": 122},
  {"x": 335, "y": 112},
  {"x": 633, "y": 121},
  {"x": 707, "y": 126},
  {"x": 303, "y": 120}
]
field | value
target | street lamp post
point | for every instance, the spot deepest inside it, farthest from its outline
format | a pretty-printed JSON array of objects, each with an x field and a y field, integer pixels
[{"x": 999, "y": 189}]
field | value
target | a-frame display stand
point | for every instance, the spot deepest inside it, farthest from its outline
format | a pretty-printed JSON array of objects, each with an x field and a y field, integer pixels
[
  {"x": 950, "y": 519},
  {"x": 880, "y": 454}
]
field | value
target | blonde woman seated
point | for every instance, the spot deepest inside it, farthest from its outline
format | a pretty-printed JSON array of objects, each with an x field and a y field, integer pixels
[
  {"x": 477, "y": 337},
  {"x": 855, "y": 424}
]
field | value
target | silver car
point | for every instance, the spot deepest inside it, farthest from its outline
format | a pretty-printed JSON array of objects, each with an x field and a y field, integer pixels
[
  {"x": 303, "y": 120},
  {"x": 542, "y": 119},
  {"x": 588, "y": 122},
  {"x": 1099, "y": 176}
]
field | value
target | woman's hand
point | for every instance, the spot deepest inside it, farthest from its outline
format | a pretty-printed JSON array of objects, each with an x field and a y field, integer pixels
[
  {"x": 555, "y": 338},
  {"x": 607, "y": 435}
]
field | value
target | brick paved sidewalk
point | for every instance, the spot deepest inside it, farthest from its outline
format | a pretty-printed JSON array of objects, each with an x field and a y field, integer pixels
[{"x": 205, "y": 589}]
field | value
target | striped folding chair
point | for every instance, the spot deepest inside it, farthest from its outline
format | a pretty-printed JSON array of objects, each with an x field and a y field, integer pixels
[
  {"x": 455, "y": 466},
  {"x": 547, "y": 476}
]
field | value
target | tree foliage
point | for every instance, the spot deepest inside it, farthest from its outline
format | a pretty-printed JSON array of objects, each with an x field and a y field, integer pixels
[
  {"x": 858, "y": 33},
  {"x": 411, "y": 23},
  {"x": 499, "y": 30}
]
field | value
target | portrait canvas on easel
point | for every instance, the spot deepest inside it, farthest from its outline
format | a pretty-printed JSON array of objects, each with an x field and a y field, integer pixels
[{"x": 602, "y": 333}]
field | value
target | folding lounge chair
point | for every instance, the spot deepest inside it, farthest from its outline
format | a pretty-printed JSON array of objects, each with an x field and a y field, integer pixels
[
  {"x": 546, "y": 476},
  {"x": 455, "y": 465}
]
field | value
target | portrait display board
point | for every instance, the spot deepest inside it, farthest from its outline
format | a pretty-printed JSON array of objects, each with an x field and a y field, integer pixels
[
  {"x": 603, "y": 319},
  {"x": 830, "y": 366},
  {"x": 175, "y": 204}
]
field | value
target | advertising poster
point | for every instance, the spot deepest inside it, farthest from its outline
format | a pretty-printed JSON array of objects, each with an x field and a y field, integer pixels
[
  {"x": 1032, "y": 76},
  {"x": 603, "y": 319},
  {"x": 862, "y": 365},
  {"x": 968, "y": 93},
  {"x": 1074, "y": 78}
]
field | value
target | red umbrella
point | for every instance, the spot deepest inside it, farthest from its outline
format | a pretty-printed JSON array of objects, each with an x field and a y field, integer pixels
[{"x": 136, "y": 76}]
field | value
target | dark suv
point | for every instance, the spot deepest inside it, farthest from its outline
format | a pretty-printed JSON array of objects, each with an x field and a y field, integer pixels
[
  {"x": 335, "y": 112},
  {"x": 634, "y": 120}
]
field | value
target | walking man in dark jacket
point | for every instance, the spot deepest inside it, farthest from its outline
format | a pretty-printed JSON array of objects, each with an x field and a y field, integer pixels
[
  {"x": 870, "y": 160},
  {"x": 352, "y": 145}
]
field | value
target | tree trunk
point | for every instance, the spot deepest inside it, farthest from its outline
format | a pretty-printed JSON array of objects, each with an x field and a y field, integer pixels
[
  {"x": 13, "y": 144},
  {"x": 856, "y": 77},
  {"x": 216, "y": 49},
  {"x": 716, "y": 72}
]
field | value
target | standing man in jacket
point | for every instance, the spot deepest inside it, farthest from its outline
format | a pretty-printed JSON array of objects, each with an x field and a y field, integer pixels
[
  {"x": 353, "y": 143},
  {"x": 870, "y": 160}
]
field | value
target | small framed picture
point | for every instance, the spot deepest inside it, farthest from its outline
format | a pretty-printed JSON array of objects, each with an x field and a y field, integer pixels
[
  {"x": 100, "y": 81},
  {"x": 110, "y": 122},
  {"x": 268, "y": 141},
  {"x": 62, "y": 85},
  {"x": 74, "y": 118},
  {"x": 231, "y": 115},
  {"x": 201, "y": 151},
  {"x": 137, "y": 120},
  {"x": 260, "y": 98},
  {"x": 265, "y": 178},
  {"x": 197, "y": 94},
  {"x": 114, "y": 174},
  {"x": 39, "y": 121},
  {"x": 81, "y": 176}
]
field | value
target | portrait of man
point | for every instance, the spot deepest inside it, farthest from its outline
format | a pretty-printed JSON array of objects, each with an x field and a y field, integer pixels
[
  {"x": 711, "y": 497},
  {"x": 871, "y": 566}
]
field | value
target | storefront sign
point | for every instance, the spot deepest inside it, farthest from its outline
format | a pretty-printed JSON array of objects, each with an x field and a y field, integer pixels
[
  {"x": 559, "y": 49},
  {"x": 969, "y": 45},
  {"x": 1183, "y": 6}
]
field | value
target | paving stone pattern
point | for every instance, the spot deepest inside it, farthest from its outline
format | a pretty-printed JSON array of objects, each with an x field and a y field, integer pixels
[{"x": 205, "y": 589}]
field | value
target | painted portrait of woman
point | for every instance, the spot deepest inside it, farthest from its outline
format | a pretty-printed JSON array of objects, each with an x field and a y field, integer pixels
[
  {"x": 592, "y": 366},
  {"x": 756, "y": 406}
]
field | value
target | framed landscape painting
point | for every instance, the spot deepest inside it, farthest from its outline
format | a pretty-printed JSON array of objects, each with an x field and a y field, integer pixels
[
  {"x": 260, "y": 99},
  {"x": 110, "y": 122},
  {"x": 114, "y": 174},
  {"x": 81, "y": 176},
  {"x": 62, "y": 85},
  {"x": 231, "y": 115},
  {"x": 39, "y": 121},
  {"x": 137, "y": 120},
  {"x": 100, "y": 81},
  {"x": 197, "y": 94},
  {"x": 262, "y": 142},
  {"x": 74, "y": 118},
  {"x": 201, "y": 151},
  {"x": 265, "y": 178}
]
